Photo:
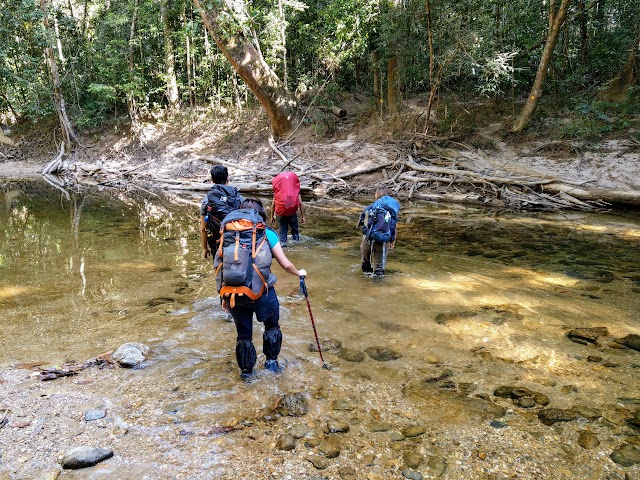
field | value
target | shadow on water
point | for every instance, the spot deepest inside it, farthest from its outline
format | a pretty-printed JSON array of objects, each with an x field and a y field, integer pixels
[{"x": 472, "y": 300}]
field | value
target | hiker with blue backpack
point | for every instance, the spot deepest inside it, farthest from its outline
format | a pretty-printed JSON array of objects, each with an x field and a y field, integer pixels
[
  {"x": 245, "y": 282},
  {"x": 378, "y": 224}
]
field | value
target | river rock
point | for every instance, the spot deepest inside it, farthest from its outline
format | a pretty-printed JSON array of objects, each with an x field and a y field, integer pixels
[
  {"x": 413, "y": 459},
  {"x": 337, "y": 426},
  {"x": 526, "y": 402},
  {"x": 484, "y": 408},
  {"x": 627, "y": 455},
  {"x": 411, "y": 474},
  {"x": 348, "y": 473},
  {"x": 318, "y": 461},
  {"x": 293, "y": 405},
  {"x": 413, "y": 431},
  {"x": 94, "y": 414},
  {"x": 549, "y": 416},
  {"x": 343, "y": 404},
  {"x": 130, "y": 354},
  {"x": 286, "y": 443},
  {"x": 635, "y": 420},
  {"x": 351, "y": 355},
  {"x": 329, "y": 447},
  {"x": 587, "y": 439},
  {"x": 587, "y": 334},
  {"x": 328, "y": 345},
  {"x": 382, "y": 354},
  {"x": 540, "y": 398},
  {"x": 631, "y": 341},
  {"x": 507, "y": 391},
  {"x": 83, "y": 457},
  {"x": 379, "y": 427},
  {"x": 299, "y": 431}
]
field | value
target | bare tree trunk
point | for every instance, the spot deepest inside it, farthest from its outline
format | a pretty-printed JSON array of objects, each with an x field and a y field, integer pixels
[
  {"x": 188, "y": 55},
  {"x": 584, "y": 33},
  {"x": 392, "y": 85},
  {"x": 556, "y": 20},
  {"x": 281, "y": 107},
  {"x": 627, "y": 77},
  {"x": 169, "y": 59},
  {"x": 131, "y": 100},
  {"x": 377, "y": 86},
  {"x": 68, "y": 131},
  {"x": 432, "y": 82},
  {"x": 283, "y": 35}
]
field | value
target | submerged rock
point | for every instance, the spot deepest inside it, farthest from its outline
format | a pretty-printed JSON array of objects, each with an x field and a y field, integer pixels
[
  {"x": 549, "y": 416},
  {"x": 587, "y": 439},
  {"x": 581, "y": 335},
  {"x": 627, "y": 455},
  {"x": 631, "y": 341},
  {"x": 328, "y": 345},
  {"x": 293, "y": 405},
  {"x": 83, "y": 457},
  {"x": 130, "y": 354},
  {"x": 351, "y": 355},
  {"x": 413, "y": 431},
  {"x": 382, "y": 354}
]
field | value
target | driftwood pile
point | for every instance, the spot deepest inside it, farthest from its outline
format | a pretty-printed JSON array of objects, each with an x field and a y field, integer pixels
[{"x": 440, "y": 174}]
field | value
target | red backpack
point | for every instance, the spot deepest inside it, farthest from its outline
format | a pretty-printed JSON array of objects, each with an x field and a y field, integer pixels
[{"x": 286, "y": 189}]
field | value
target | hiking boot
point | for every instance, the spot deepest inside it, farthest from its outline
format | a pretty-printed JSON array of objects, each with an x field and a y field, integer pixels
[
  {"x": 248, "y": 375},
  {"x": 366, "y": 267},
  {"x": 296, "y": 238},
  {"x": 273, "y": 366},
  {"x": 378, "y": 274}
]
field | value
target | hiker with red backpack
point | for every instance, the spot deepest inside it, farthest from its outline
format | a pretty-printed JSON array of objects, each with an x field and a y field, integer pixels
[
  {"x": 378, "y": 223},
  {"x": 221, "y": 199},
  {"x": 245, "y": 282},
  {"x": 286, "y": 202}
]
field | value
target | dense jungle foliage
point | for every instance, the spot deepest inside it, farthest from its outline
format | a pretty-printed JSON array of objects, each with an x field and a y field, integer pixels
[{"x": 134, "y": 57}]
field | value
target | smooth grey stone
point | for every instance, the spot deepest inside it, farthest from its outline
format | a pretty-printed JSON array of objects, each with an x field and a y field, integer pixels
[
  {"x": 83, "y": 457},
  {"x": 95, "y": 414},
  {"x": 130, "y": 354}
]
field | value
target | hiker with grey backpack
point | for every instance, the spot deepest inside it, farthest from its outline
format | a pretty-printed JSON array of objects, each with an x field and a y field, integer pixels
[
  {"x": 245, "y": 282},
  {"x": 378, "y": 225}
]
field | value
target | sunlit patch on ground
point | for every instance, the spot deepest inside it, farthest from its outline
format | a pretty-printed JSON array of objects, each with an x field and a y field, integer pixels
[
  {"x": 11, "y": 292},
  {"x": 544, "y": 278}
]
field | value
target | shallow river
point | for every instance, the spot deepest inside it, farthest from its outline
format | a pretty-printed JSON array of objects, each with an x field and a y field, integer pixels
[{"x": 472, "y": 300}]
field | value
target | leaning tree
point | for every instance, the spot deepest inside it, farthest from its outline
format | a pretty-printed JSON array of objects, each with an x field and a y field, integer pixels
[{"x": 228, "y": 24}]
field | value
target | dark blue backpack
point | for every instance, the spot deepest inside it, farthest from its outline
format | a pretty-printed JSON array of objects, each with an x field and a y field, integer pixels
[
  {"x": 221, "y": 200},
  {"x": 382, "y": 216}
]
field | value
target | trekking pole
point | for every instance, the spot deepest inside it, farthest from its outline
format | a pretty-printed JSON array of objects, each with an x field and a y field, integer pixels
[{"x": 303, "y": 289}]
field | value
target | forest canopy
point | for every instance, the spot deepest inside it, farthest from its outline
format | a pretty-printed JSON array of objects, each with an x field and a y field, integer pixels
[{"x": 90, "y": 61}]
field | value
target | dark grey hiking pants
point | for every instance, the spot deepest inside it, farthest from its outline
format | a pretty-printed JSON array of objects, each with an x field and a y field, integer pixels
[{"x": 375, "y": 253}]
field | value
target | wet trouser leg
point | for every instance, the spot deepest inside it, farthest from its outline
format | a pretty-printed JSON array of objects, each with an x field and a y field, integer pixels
[
  {"x": 267, "y": 311},
  {"x": 374, "y": 256},
  {"x": 245, "y": 350},
  {"x": 295, "y": 233},
  {"x": 284, "y": 229}
]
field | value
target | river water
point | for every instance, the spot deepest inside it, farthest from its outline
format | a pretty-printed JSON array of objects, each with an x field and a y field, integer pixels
[{"x": 473, "y": 299}]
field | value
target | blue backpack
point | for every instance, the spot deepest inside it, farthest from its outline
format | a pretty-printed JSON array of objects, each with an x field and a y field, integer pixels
[{"x": 382, "y": 216}]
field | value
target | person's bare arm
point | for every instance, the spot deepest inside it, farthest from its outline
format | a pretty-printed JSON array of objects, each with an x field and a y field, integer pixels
[
  {"x": 273, "y": 209},
  {"x": 285, "y": 263},
  {"x": 301, "y": 208},
  {"x": 203, "y": 237}
]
